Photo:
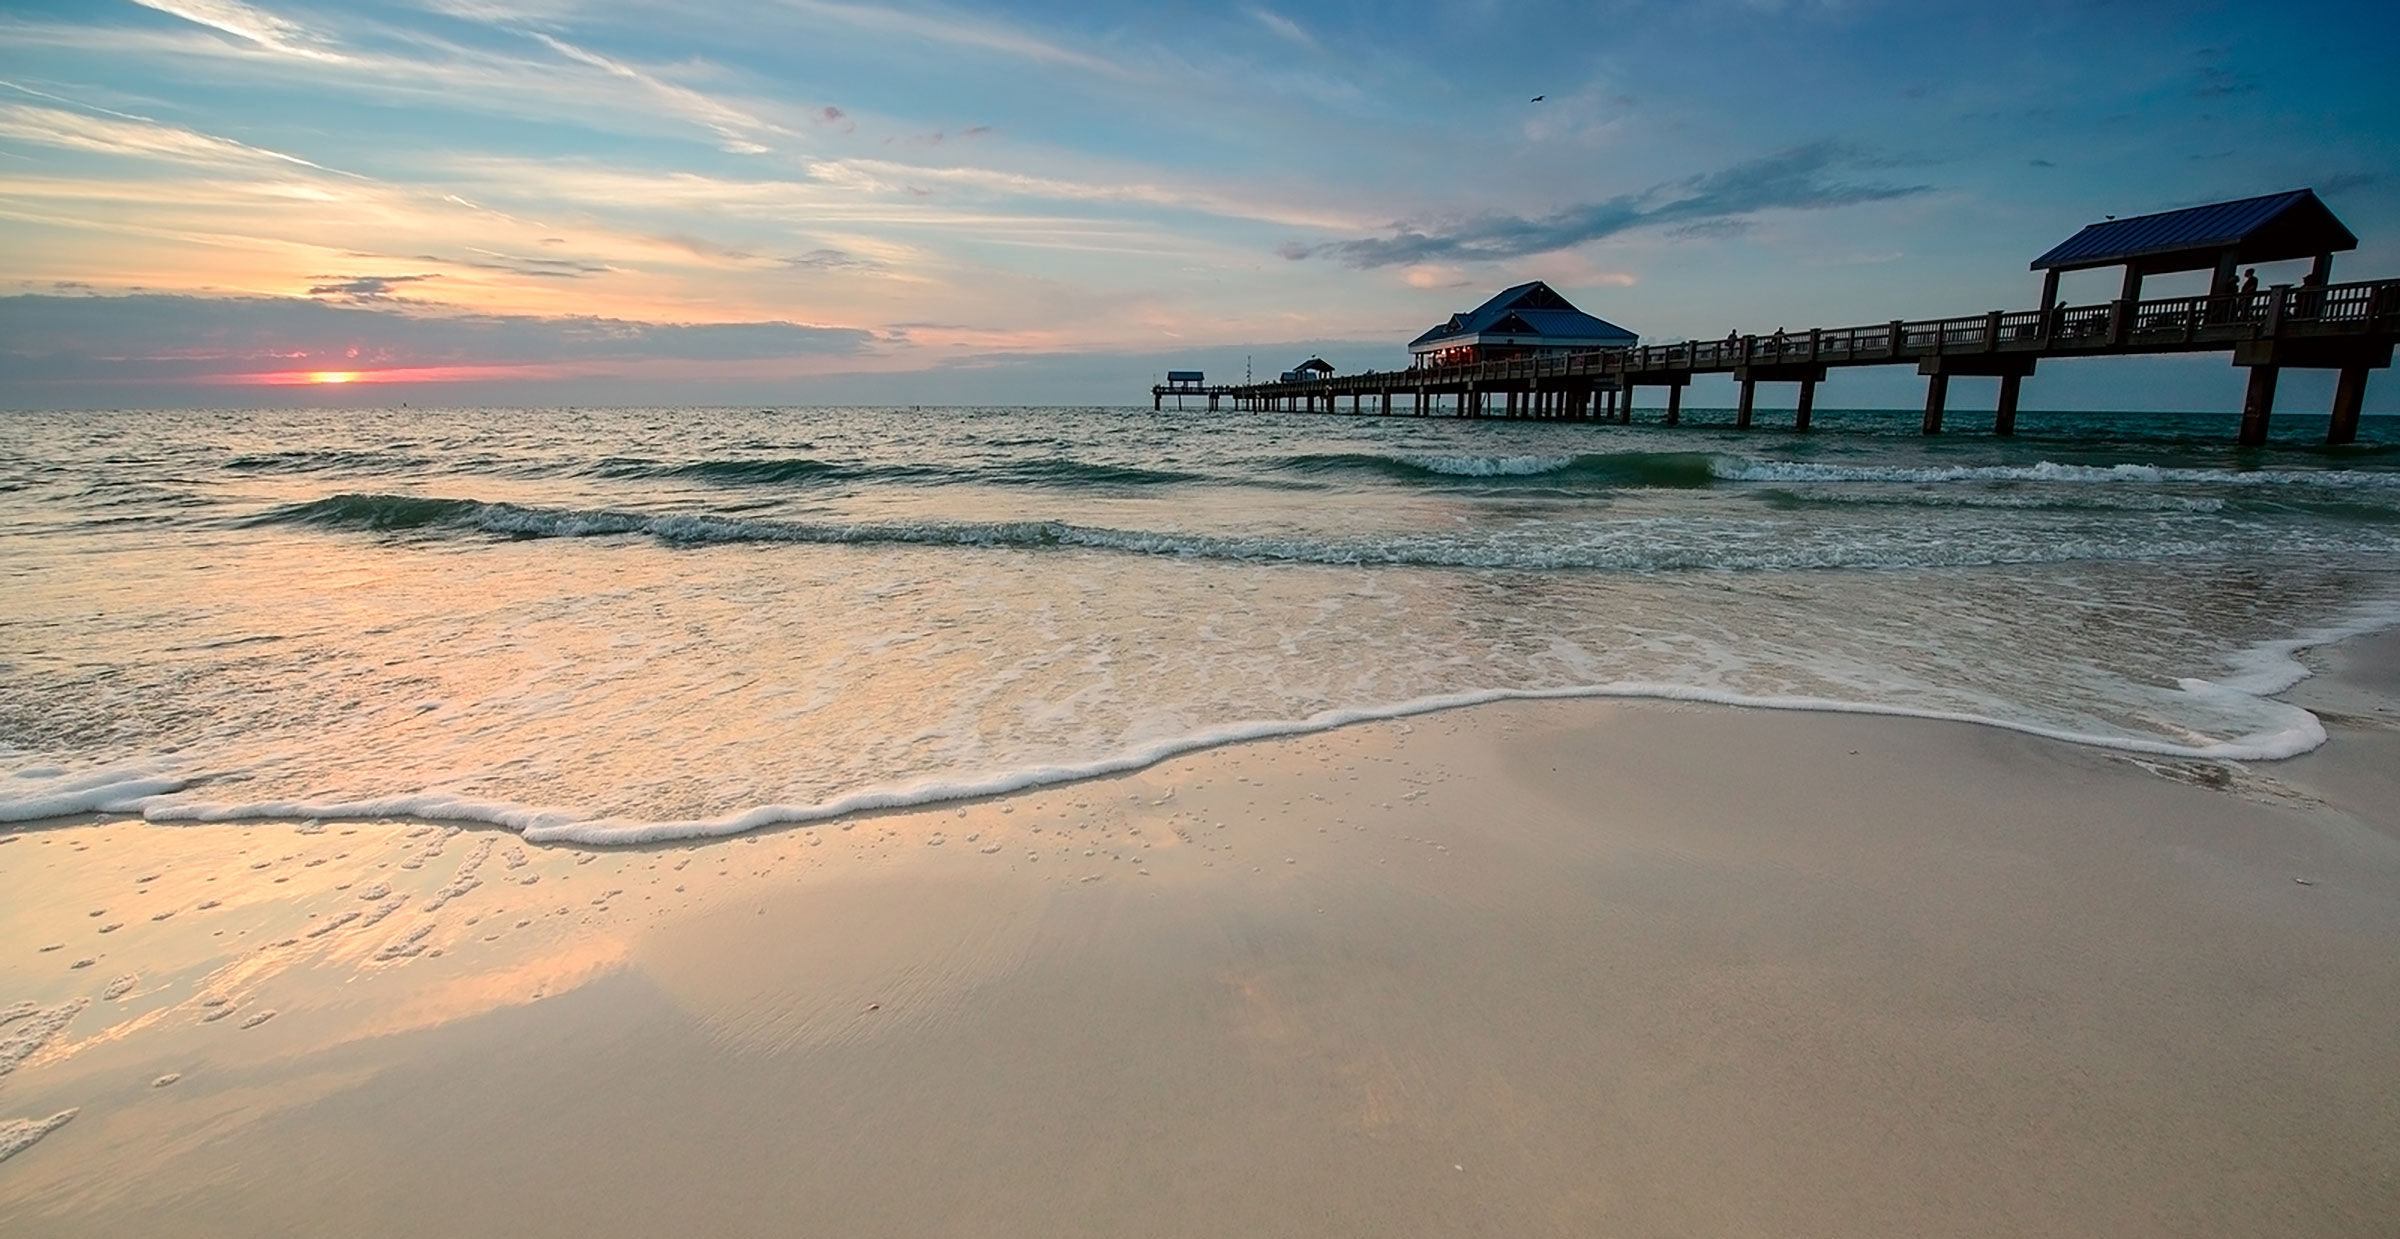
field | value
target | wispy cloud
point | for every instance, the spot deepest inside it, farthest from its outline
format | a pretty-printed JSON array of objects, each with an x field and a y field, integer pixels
[
  {"x": 248, "y": 23},
  {"x": 1802, "y": 178},
  {"x": 958, "y": 30},
  {"x": 121, "y": 134},
  {"x": 882, "y": 176},
  {"x": 1284, "y": 27},
  {"x": 738, "y": 130}
]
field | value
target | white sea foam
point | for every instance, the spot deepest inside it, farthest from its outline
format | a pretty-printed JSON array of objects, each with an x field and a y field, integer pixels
[
  {"x": 2282, "y": 730},
  {"x": 18, "y": 1135},
  {"x": 1488, "y": 466},
  {"x": 48, "y": 791},
  {"x": 1747, "y": 469},
  {"x": 1666, "y": 544}
]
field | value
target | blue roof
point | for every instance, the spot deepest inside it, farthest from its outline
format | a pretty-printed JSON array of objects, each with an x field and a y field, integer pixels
[
  {"x": 1530, "y": 309},
  {"x": 2268, "y": 229}
]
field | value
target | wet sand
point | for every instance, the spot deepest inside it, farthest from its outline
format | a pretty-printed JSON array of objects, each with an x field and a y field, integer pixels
[{"x": 1533, "y": 968}]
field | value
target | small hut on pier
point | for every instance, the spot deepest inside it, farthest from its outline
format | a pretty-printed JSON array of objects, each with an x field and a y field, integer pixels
[
  {"x": 1529, "y": 320},
  {"x": 2221, "y": 238}
]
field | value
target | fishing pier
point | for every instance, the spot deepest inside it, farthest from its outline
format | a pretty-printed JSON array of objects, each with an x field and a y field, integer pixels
[{"x": 1527, "y": 354}]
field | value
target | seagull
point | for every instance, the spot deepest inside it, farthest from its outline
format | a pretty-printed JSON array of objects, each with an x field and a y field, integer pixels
[{"x": 1537, "y": 98}]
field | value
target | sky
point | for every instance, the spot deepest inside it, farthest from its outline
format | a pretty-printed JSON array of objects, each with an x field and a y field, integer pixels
[{"x": 228, "y": 203}]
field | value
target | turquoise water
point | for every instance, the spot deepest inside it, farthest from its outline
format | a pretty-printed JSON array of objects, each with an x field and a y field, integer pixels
[{"x": 635, "y": 623}]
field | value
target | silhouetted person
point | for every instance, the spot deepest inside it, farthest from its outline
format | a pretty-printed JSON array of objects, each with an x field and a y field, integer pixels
[
  {"x": 2312, "y": 295},
  {"x": 2250, "y": 282}
]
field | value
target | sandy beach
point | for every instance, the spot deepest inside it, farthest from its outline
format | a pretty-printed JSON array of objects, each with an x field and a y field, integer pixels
[{"x": 1533, "y": 968}]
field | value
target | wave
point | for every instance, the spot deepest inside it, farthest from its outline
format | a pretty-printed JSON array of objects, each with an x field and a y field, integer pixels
[
  {"x": 758, "y": 471},
  {"x": 1747, "y": 469},
  {"x": 802, "y": 470},
  {"x": 1627, "y": 546},
  {"x": 2288, "y": 732},
  {"x": 324, "y": 460},
  {"x": 1613, "y": 469},
  {"x": 1619, "y": 470}
]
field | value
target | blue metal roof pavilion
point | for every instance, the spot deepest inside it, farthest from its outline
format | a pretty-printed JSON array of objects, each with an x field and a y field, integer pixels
[
  {"x": 1529, "y": 318},
  {"x": 2221, "y": 236}
]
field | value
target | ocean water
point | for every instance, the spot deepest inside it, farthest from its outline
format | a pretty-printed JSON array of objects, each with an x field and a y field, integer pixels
[{"x": 632, "y": 624}]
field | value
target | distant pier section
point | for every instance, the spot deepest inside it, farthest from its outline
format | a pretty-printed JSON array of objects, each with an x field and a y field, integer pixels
[{"x": 1527, "y": 353}]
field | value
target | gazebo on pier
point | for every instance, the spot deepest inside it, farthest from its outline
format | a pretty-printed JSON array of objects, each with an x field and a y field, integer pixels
[
  {"x": 2222, "y": 237},
  {"x": 1529, "y": 320}
]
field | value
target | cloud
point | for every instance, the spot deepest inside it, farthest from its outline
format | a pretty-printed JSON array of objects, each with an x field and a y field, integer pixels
[
  {"x": 123, "y": 134},
  {"x": 249, "y": 24},
  {"x": 934, "y": 25},
  {"x": 2219, "y": 83},
  {"x": 1802, "y": 178},
  {"x": 359, "y": 288},
  {"x": 1284, "y": 27},
  {"x": 827, "y": 260},
  {"x": 738, "y": 131},
  {"x": 521, "y": 264},
  {"x": 171, "y": 338}
]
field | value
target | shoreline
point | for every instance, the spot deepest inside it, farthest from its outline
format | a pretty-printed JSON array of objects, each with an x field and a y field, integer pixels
[
  {"x": 2265, "y": 670},
  {"x": 1527, "y": 966}
]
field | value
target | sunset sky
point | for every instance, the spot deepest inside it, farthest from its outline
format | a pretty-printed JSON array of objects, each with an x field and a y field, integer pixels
[{"x": 218, "y": 202}]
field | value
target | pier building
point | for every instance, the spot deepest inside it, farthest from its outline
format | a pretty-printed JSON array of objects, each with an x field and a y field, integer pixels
[{"x": 1530, "y": 320}]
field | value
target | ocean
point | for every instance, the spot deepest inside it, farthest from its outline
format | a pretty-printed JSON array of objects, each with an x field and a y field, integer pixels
[{"x": 624, "y": 625}]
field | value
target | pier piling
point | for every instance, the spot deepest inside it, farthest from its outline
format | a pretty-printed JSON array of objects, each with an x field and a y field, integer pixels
[
  {"x": 2258, "y": 405},
  {"x": 2349, "y": 393}
]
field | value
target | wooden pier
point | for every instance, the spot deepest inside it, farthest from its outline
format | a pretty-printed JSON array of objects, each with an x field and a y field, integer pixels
[{"x": 2348, "y": 328}]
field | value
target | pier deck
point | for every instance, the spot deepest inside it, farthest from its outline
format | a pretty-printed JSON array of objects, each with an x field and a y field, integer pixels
[{"x": 2349, "y": 328}]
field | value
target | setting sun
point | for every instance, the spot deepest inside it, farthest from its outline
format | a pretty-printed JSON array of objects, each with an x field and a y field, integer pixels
[{"x": 333, "y": 376}]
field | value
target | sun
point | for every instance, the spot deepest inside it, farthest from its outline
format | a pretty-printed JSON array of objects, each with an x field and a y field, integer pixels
[{"x": 333, "y": 376}]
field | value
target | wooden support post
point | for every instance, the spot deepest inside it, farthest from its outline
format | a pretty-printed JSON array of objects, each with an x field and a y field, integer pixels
[
  {"x": 2349, "y": 393},
  {"x": 1155, "y": 398},
  {"x": 1675, "y": 404},
  {"x": 1937, "y": 394},
  {"x": 2004, "y": 419},
  {"x": 1808, "y": 404},
  {"x": 1212, "y": 402},
  {"x": 1625, "y": 410},
  {"x": 2258, "y": 405},
  {"x": 1741, "y": 412},
  {"x": 1387, "y": 402}
]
